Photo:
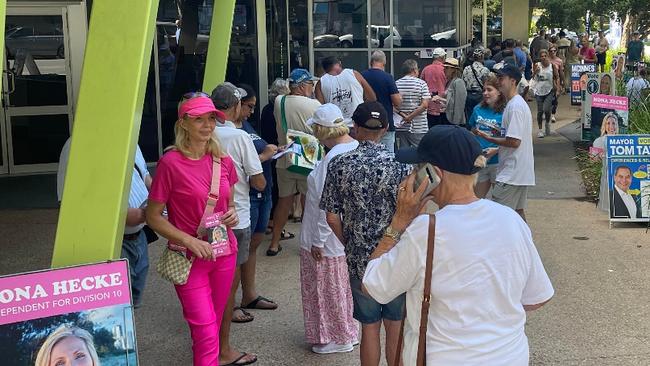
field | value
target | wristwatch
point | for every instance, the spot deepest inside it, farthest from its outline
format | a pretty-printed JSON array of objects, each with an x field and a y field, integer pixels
[{"x": 392, "y": 233}]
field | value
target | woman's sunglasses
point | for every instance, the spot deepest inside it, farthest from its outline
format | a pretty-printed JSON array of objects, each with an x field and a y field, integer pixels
[{"x": 191, "y": 95}]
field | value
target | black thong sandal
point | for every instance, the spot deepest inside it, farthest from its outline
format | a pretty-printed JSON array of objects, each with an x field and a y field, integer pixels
[
  {"x": 237, "y": 363},
  {"x": 246, "y": 318},
  {"x": 272, "y": 253},
  {"x": 285, "y": 235},
  {"x": 253, "y": 304}
]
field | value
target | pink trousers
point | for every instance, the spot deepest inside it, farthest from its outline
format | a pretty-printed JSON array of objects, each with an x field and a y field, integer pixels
[{"x": 204, "y": 299}]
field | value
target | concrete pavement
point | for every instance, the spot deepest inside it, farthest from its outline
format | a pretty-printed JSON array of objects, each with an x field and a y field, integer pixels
[{"x": 599, "y": 316}]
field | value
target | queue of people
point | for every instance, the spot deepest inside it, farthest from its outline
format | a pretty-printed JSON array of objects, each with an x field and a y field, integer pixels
[{"x": 392, "y": 146}]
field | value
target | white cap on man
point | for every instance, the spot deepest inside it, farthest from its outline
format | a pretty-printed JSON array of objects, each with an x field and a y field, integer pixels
[
  {"x": 439, "y": 52},
  {"x": 327, "y": 115}
]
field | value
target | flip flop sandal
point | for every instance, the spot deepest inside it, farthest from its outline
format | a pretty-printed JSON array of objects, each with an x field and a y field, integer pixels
[
  {"x": 253, "y": 304},
  {"x": 237, "y": 363},
  {"x": 247, "y": 318},
  {"x": 273, "y": 253},
  {"x": 285, "y": 235}
]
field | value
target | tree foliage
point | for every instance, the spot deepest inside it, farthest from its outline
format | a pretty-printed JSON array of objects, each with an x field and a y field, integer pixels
[{"x": 571, "y": 13}]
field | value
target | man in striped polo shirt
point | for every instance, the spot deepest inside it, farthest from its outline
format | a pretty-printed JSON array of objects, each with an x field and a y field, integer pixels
[{"x": 415, "y": 101}]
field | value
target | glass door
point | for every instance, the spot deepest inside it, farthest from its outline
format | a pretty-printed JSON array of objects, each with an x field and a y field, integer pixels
[{"x": 36, "y": 96}]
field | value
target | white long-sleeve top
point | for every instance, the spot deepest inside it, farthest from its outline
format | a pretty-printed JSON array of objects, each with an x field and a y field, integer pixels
[{"x": 315, "y": 230}]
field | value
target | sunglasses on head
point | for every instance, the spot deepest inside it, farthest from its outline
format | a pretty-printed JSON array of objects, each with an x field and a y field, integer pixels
[{"x": 191, "y": 95}]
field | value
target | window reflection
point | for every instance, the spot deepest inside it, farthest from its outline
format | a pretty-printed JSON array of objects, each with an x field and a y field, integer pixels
[
  {"x": 340, "y": 23},
  {"x": 428, "y": 24}
]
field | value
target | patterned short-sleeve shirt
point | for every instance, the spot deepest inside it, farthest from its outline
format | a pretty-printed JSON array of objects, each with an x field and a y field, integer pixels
[
  {"x": 470, "y": 80},
  {"x": 361, "y": 186}
]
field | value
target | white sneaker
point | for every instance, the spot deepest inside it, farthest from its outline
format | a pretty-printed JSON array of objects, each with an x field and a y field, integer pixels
[
  {"x": 540, "y": 134},
  {"x": 553, "y": 120},
  {"x": 332, "y": 348}
]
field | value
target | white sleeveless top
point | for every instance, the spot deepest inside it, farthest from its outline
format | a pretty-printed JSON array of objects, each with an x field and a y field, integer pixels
[
  {"x": 544, "y": 80},
  {"x": 344, "y": 90}
]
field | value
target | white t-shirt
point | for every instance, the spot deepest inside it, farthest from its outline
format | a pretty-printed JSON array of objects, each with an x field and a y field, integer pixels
[
  {"x": 239, "y": 145},
  {"x": 484, "y": 271},
  {"x": 315, "y": 230},
  {"x": 517, "y": 165},
  {"x": 343, "y": 90}
]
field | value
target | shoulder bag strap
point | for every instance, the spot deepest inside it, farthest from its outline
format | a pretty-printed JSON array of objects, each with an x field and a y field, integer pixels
[
  {"x": 476, "y": 76},
  {"x": 284, "y": 115},
  {"x": 426, "y": 296},
  {"x": 213, "y": 196}
]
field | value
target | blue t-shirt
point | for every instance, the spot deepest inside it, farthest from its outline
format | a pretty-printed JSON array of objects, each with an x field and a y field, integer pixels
[
  {"x": 481, "y": 118},
  {"x": 260, "y": 145},
  {"x": 521, "y": 57},
  {"x": 384, "y": 86}
]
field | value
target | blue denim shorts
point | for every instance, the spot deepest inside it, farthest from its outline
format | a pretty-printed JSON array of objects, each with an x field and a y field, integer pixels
[
  {"x": 260, "y": 213},
  {"x": 368, "y": 311}
]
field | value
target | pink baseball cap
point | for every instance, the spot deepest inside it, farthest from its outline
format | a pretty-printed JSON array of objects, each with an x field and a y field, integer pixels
[{"x": 198, "y": 106}]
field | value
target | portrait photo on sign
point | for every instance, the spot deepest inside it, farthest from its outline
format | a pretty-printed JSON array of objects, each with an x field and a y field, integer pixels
[
  {"x": 98, "y": 337},
  {"x": 625, "y": 190}
]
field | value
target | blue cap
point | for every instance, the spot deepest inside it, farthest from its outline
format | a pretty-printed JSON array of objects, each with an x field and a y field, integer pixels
[
  {"x": 449, "y": 147},
  {"x": 300, "y": 76}
]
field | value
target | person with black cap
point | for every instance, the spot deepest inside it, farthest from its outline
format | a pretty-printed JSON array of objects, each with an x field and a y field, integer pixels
[
  {"x": 516, "y": 169},
  {"x": 359, "y": 198},
  {"x": 485, "y": 274}
]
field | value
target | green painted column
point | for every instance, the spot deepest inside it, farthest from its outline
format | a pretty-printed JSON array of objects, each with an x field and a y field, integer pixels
[
  {"x": 105, "y": 133},
  {"x": 219, "y": 45},
  {"x": 3, "y": 14}
]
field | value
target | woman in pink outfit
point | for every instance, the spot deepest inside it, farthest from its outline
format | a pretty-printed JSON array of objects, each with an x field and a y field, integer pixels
[{"x": 182, "y": 184}]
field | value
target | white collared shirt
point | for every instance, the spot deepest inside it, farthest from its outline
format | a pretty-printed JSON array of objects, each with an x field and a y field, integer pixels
[
  {"x": 628, "y": 200},
  {"x": 315, "y": 231}
]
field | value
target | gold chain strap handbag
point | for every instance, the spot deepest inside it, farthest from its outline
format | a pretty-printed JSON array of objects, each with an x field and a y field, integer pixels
[{"x": 174, "y": 264}]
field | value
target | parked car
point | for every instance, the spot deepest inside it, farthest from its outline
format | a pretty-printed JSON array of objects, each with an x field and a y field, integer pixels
[
  {"x": 381, "y": 36},
  {"x": 45, "y": 41},
  {"x": 447, "y": 35},
  {"x": 331, "y": 40}
]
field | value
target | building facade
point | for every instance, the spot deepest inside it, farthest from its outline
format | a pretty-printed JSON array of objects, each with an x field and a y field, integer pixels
[{"x": 45, "y": 43}]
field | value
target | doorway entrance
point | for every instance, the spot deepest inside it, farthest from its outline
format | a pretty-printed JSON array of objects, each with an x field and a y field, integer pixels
[{"x": 37, "y": 97}]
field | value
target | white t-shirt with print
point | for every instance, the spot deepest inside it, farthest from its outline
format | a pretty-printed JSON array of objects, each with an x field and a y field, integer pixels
[
  {"x": 484, "y": 271},
  {"x": 239, "y": 145},
  {"x": 517, "y": 165}
]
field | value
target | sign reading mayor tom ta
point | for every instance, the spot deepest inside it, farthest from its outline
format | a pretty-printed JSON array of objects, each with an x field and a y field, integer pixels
[{"x": 628, "y": 177}]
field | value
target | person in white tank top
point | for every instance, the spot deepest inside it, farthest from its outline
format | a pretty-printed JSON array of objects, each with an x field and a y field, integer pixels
[
  {"x": 547, "y": 85},
  {"x": 345, "y": 88}
]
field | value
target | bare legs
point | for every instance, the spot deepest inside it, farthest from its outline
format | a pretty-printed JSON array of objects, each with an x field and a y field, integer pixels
[
  {"x": 371, "y": 345},
  {"x": 280, "y": 218}
]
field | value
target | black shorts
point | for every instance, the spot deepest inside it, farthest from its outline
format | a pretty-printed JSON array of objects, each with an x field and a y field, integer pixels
[{"x": 600, "y": 58}]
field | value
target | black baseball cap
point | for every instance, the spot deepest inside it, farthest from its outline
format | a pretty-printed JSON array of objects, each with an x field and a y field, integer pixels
[
  {"x": 370, "y": 115},
  {"x": 449, "y": 147},
  {"x": 511, "y": 71}
]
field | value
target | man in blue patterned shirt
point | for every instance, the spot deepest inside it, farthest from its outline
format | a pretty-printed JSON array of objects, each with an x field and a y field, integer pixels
[{"x": 360, "y": 198}]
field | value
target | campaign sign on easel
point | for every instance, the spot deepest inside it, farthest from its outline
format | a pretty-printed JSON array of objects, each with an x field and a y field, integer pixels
[
  {"x": 628, "y": 177},
  {"x": 61, "y": 316},
  {"x": 596, "y": 83},
  {"x": 579, "y": 81}
]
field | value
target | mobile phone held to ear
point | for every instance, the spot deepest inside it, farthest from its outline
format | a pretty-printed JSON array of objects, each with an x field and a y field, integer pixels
[{"x": 427, "y": 174}]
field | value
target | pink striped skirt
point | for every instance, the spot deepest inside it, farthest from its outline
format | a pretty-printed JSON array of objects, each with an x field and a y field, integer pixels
[{"x": 327, "y": 300}]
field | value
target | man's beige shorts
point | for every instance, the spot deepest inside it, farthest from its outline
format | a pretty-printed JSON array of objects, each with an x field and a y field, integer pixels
[
  {"x": 515, "y": 197},
  {"x": 290, "y": 183}
]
